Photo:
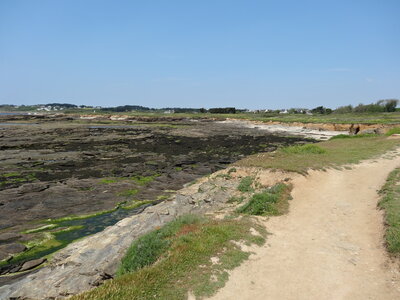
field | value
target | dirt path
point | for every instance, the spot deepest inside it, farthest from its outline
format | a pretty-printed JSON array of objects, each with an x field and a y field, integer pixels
[{"x": 329, "y": 246}]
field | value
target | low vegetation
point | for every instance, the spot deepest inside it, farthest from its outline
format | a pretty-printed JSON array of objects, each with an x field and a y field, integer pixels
[
  {"x": 395, "y": 130},
  {"x": 175, "y": 259},
  {"x": 390, "y": 202},
  {"x": 335, "y": 152},
  {"x": 304, "y": 149},
  {"x": 270, "y": 202},
  {"x": 357, "y": 136},
  {"x": 245, "y": 184}
]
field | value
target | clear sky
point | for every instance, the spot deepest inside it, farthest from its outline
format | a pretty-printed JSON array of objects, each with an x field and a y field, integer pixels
[{"x": 247, "y": 54}]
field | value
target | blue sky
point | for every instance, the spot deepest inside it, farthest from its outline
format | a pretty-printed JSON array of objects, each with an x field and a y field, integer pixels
[{"x": 247, "y": 54}]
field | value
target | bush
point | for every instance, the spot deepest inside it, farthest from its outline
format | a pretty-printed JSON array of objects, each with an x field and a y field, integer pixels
[
  {"x": 304, "y": 149},
  {"x": 321, "y": 110}
]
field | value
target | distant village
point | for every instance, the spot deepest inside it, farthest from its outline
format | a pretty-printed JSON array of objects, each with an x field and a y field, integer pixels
[
  {"x": 61, "y": 107},
  {"x": 386, "y": 105}
]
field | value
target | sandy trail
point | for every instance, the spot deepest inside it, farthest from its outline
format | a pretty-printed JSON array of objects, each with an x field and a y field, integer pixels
[{"x": 329, "y": 246}]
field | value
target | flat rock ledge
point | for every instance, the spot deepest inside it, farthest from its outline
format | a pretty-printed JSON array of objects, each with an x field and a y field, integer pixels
[
  {"x": 290, "y": 129},
  {"x": 87, "y": 263}
]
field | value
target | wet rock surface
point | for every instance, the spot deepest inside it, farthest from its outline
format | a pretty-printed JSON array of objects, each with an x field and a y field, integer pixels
[{"x": 61, "y": 166}]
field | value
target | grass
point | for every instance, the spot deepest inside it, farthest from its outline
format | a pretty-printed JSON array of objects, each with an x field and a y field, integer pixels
[
  {"x": 390, "y": 202},
  {"x": 344, "y": 118},
  {"x": 245, "y": 184},
  {"x": 271, "y": 202},
  {"x": 395, "y": 130},
  {"x": 304, "y": 149},
  {"x": 337, "y": 152},
  {"x": 168, "y": 262},
  {"x": 357, "y": 136}
]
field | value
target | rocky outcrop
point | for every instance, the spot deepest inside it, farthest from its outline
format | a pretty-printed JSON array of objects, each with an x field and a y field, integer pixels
[
  {"x": 88, "y": 262},
  {"x": 350, "y": 128},
  {"x": 291, "y": 129}
]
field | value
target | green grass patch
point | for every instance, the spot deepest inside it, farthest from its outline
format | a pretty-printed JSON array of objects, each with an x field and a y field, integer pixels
[
  {"x": 356, "y": 136},
  {"x": 390, "y": 202},
  {"x": 337, "y": 152},
  {"x": 143, "y": 180},
  {"x": 304, "y": 149},
  {"x": 395, "y": 130},
  {"x": 168, "y": 262},
  {"x": 245, "y": 184},
  {"x": 271, "y": 202},
  {"x": 232, "y": 170},
  {"x": 110, "y": 180}
]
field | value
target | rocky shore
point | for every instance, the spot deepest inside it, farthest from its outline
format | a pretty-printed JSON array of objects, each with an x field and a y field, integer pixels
[
  {"x": 67, "y": 177},
  {"x": 87, "y": 263}
]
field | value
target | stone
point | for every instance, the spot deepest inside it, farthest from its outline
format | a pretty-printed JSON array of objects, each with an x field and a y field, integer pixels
[
  {"x": 32, "y": 264},
  {"x": 368, "y": 131},
  {"x": 12, "y": 248},
  {"x": 3, "y": 255},
  {"x": 7, "y": 236}
]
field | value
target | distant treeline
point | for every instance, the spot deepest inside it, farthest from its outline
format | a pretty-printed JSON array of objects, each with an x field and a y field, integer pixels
[
  {"x": 388, "y": 105},
  {"x": 126, "y": 108}
]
